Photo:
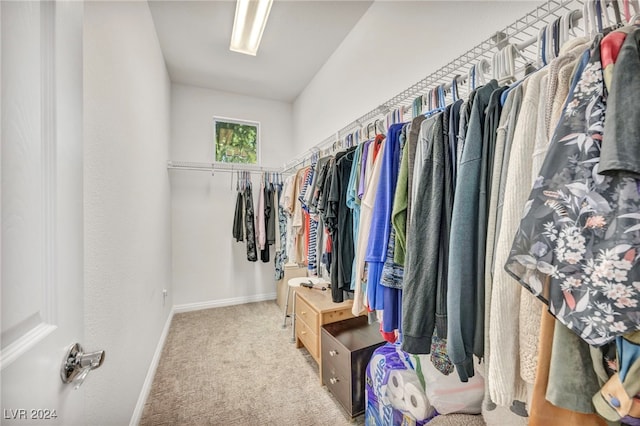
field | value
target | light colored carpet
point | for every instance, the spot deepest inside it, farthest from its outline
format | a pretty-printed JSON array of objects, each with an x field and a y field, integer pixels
[
  {"x": 236, "y": 366},
  {"x": 457, "y": 420}
]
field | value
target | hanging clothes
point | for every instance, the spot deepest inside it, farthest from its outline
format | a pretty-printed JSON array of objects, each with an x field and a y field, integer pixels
[
  {"x": 422, "y": 278},
  {"x": 238, "y": 233},
  {"x": 506, "y": 384},
  {"x": 252, "y": 254},
  {"x": 504, "y": 137},
  {"x": 353, "y": 203},
  {"x": 280, "y": 257},
  {"x": 589, "y": 256},
  {"x": 393, "y": 273},
  {"x": 267, "y": 199},
  {"x": 462, "y": 285},
  {"x": 312, "y": 224},
  {"x": 341, "y": 226},
  {"x": 430, "y": 225},
  {"x": 298, "y": 253},
  {"x": 261, "y": 230},
  {"x": 368, "y": 201},
  {"x": 287, "y": 199},
  {"x": 492, "y": 119},
  {"x": 271, "y": 218},
  {"x": 454, "y": 128},
  {"x": 400, "y": 205},
  {"x": 381, "y": 216},
  {"x": 543, "y": 412}
]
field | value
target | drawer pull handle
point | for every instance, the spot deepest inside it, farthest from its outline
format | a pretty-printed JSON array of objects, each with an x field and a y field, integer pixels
[
  {"x": 333, "y": 380},
  {"x": 333, "y": 353},
  {"x": 303, "y": 333},
  {"x": 303, "y": 313}
]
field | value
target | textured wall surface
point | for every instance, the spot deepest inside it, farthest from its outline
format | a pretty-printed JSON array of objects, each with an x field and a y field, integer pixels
[
  {"x": 208, "y": 265},
  {"x": 127, "y": 202},
  {"x": 394, "y": 45}
]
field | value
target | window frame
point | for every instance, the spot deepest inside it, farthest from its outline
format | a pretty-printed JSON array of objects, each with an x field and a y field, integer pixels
[{"x": 219, "y": 119}]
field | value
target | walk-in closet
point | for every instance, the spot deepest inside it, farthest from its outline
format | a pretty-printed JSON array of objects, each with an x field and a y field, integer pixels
[{"x": 370, "y": 212}]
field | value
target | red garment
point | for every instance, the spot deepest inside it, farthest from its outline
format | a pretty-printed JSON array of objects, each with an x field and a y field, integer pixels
[
  {"x": 390, "y": 336},
  {"x": 328, "y": 242},
  {"x": 377, "y": 144},
  {"x": 610, "y": 47}
]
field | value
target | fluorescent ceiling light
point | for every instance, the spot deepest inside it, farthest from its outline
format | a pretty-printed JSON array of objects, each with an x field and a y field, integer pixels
[{"x": 248, "y": 25}]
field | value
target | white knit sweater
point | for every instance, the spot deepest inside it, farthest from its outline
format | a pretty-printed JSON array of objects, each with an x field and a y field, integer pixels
[
  {"x": 529, "y": 304},
  {"x": 505, "y": 382},
  {"x": 501, "y": 137}
]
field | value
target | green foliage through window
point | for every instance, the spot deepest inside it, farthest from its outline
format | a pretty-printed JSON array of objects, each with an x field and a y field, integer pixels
[{"x": 236, "y": 142}]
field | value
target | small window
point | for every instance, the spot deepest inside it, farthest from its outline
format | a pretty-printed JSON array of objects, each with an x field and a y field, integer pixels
[{"x": 237, "y": 141}]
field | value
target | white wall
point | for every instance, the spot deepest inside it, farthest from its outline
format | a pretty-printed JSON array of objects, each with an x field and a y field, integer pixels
[
  {"x": 394, "y": 45},
  {"x": 127, "y": 202},
  {"x": 209, "y": 267}
]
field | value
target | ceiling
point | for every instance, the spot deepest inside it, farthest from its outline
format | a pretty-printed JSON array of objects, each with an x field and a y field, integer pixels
[{"x": 299, "y": 38}]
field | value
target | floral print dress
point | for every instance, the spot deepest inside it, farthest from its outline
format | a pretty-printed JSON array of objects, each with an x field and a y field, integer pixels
[{"x": 578, "y": 244}]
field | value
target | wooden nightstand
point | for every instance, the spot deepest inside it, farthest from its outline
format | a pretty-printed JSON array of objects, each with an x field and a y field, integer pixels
[
  {"x": 347, "y": 347},
  {"x": 313, "y": 309}
]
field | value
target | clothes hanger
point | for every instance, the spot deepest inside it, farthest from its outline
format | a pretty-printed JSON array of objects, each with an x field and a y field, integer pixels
[
  {"x": 379, "y": 126},
  {"x": 511, "y": 52},
  {"x": 416, "y": 108},
  {"x": 549, "y": 42},
  {"x": 616, "y": 13},
  {"x": 461, "y": 84},
  {"x": 568, "y": 27},
  {"x": 541, "y": 46},
  {"x": 435, "y": 98},
  {"x": 627, "y": 12},
  {"x": 556, "y": 38},
  {"x": 482, "y": 68},
  {"x": 635, "y": 18},
  {"x": 438, "y": 99},
  {"x": 497, "y": 65},
  {"x": 588, "y": 16},
  {"x": 454, "y": 89},
  {"x": 504, "y": 64},
  {"x": 442, "y": 97},
  {"x": 368, "y": 132},
  {"x": 609, "y": 23}
]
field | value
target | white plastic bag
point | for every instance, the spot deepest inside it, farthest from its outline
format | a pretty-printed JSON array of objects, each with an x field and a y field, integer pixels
[{"x": 447, "y": 393}]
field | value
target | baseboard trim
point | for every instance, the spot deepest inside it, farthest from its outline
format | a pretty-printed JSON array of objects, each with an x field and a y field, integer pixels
[
  {"x": 188, "y": 307},
  {"x": 151, "y": 372}
]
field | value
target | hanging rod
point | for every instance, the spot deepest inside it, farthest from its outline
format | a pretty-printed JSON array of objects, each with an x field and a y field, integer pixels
[
  {"x": 523, "y": 33},
  {"x": 220, "y": 167}
]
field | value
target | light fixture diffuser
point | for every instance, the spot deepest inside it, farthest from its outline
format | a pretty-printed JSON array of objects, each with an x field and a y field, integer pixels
[{"x": 248, "y": 25}]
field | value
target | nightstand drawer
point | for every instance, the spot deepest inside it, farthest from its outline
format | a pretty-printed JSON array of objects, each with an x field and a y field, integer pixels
[
  {"x": 340, "y": 387},
  {"x": 351, "y": 342},
  {"x": 308, "y": 338},
  {"x": 336, "y": 357},
  {"x": 305, "y": 313}
]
